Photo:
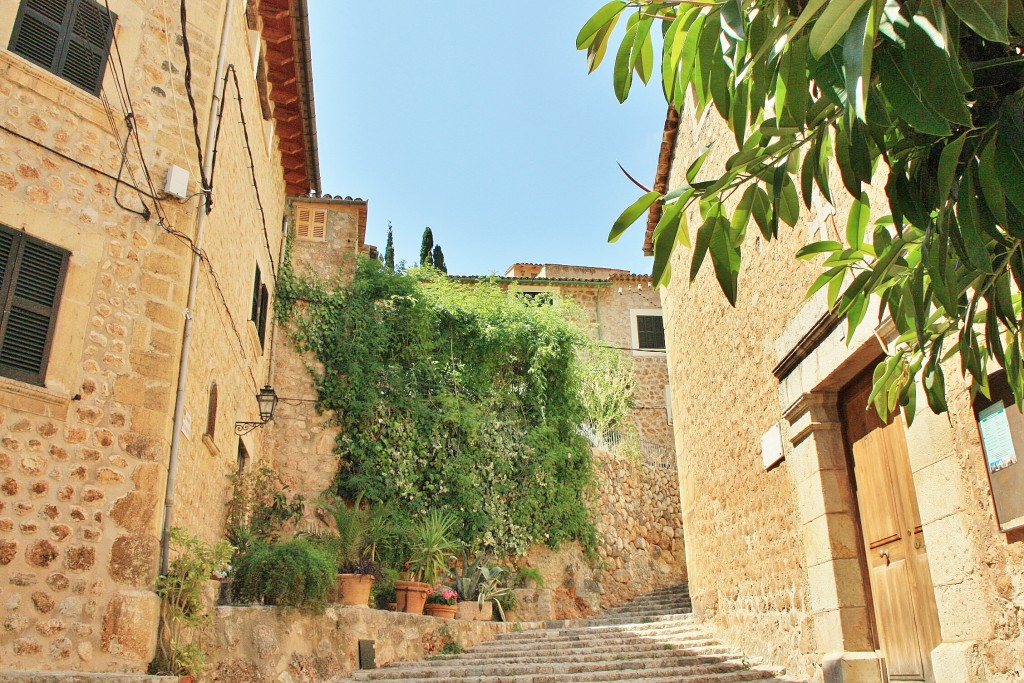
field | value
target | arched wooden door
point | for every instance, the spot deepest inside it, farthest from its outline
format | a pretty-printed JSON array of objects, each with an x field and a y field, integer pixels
[{"x": 897, "y": 560}]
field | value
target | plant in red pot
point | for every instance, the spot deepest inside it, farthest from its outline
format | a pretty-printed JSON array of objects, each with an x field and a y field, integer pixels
[
  {"x": 441, "y": 602},
  {"x": 354, "y": 544},
  {"x": 431, "y": 541}
]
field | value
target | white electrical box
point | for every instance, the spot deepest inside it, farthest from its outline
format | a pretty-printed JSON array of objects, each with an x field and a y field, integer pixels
[
  {"x": 177, "y": 182},
  {"x": 772, "y": 451}
]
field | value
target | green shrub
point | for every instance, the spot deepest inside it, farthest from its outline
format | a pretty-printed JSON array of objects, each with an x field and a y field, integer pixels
[
  {"x": 457, "y": 397},
  {"x": 292, "y": 573}
]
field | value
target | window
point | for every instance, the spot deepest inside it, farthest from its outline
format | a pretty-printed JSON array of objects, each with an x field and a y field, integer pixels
[
  {"x": 650, "y": 333},
  {"x": 70, "y": 38},
  {"x": 243, "y": 457},
  {"x": 310, "y": 224},
  {"x": 31, "y": 279},
  {"x": 260, "y": 304},
  {"x": 211, "y": 412},
  {"x": 539, "y": 298}
]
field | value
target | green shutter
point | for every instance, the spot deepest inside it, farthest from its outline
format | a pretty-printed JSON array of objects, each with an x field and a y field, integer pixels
[
  {"x": 87, "y": 46},
  {"x": 31, "y": 302},
  {"x": 40, "y": 29},
  {"x": 70, "y": 38}
]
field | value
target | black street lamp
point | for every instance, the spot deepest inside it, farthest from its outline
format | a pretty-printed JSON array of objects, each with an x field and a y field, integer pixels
[{"x": 267, "y": 400}]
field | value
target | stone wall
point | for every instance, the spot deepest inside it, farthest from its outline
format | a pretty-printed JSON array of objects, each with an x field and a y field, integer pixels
[
  {"x": 773, "y": 556},
  {"x": 271, "y": 644},
  {"x": 301, "y": 439},
  {"x": 640, "y": 545},
  {"x": 83, "y": 459}
]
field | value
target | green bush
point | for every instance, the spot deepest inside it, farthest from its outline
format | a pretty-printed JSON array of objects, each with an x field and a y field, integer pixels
[
  {"x": 456, "y": 397},
  {"x": 292, "y": 573}
]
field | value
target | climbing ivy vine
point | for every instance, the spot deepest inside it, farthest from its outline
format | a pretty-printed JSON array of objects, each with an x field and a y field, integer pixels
[{"x": 456, "y": 396}]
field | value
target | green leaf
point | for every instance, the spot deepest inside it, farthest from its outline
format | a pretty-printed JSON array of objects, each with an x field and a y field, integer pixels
[
  {"x": 935, "y": 69},
  {"x": 991, "y": 188},
  {"x": 600, "y": 20},
  {"x": 789, "y": 204},
  {"x": 857, "y": 222},
  {"x": 948, "y": 161},
  {"x": 688, "y": 56},
  {"x": 760, "y": 209},
  {"x": 934, "y": 383},
  {"x": 1010, "y": 161},
  {"x": 904, "y": 94},
  {"x": 694, "y": 168},
  {"x": 631, "y": 214},
  {"x": 700, "y": 247},
  {"x": 858, "y": 45},
  {"x": 673, "y": 51},
  {"x": 597, "y": 49},
  {"x": 642, "y": 57},
  {"x": 720, "y": 76},
  {"x": 814, "y": 248},
  {"x": 741, "y": 216},
  {"x": 732, "y": 19},
  {"x": 810, "y": 9},
  {"x": 986, "y": 17},
  {"x": 622, "y": 78},
  {"x": 665, "y": 237},
  {"x": 725, "y": 257},
  {"x": 833, "y": 23},
  {"x": 792, "y": 89}
]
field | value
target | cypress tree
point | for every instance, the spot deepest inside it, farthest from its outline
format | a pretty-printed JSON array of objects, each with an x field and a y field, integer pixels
[
  {"x": 389, "y": 250},
  {"x": 427, "y": 248},
  {"x": 438, "y": 259}
]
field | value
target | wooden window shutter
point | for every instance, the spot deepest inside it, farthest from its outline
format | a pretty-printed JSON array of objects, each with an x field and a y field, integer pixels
[
  {"x": 40, "y": 30},
  {"x": 211, "y": 412},
  {"x": 302, "y": 222},
  {"x": 650, "y": 331},
  {"x": 70, "y": 38},
  {"x": 88, "y": 43},
  {"x": 261, "y": 324},
  {"x": 33, "y": 277},
  {"x": 256, "y": 296},
  {"x": 319, "y": 227}
]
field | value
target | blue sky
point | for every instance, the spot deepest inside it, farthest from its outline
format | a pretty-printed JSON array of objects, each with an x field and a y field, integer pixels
[{"x": 480, "y": 121}]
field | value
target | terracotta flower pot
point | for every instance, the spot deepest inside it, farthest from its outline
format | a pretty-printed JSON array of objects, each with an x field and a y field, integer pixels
[
  {"x": 354, "y": 589},
  {"x": 411, "y": 596},
  {"x": 442, "y": 611},
  {"x": 471, "y": 610}
]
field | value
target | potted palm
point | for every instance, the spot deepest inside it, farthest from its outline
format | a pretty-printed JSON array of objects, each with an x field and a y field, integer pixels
[
  {"x": 354, "y": 546},
  {"x": 430, "y": 543}
]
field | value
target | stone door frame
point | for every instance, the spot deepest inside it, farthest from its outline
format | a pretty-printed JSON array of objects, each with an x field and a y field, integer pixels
[{"x": 816, "y": 363}]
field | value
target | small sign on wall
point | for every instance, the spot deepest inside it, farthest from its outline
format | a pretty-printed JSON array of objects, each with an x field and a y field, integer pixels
[
  {"x": 772, "y": 451},
  {"x": 186, "y": 425},
  {"x": 1001, "y": 426}
]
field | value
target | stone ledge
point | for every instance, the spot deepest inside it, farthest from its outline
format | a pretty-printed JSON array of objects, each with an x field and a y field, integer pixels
[
  {"x": 77, "y": 677},
  {"x": 32, "y": 399}
]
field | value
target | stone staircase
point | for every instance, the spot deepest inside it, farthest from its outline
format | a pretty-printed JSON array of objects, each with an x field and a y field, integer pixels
[{"x": 651, "y": 639}]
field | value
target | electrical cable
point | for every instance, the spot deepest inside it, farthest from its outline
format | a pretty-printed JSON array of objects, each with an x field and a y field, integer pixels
[{"x": 192, "y": 102}]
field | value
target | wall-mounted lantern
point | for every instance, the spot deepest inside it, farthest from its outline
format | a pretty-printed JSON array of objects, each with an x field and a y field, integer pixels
[{"x": 267, "y": 400}]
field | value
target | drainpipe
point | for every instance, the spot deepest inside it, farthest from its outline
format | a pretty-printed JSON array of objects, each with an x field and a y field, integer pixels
[{"x": 193, "y": 285}]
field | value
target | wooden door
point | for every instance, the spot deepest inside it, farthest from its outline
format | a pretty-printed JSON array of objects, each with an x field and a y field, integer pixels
[{"x": 897, "y": 560}]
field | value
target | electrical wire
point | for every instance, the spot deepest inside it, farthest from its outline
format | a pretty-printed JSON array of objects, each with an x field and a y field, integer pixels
[
  {"x": 192, "y": 102},
  {"x": 231, "y": 71},
  {"x": 174, "y": 92}
]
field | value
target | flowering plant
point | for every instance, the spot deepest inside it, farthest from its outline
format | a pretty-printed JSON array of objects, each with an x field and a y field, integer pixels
[
  {"x": 221, "y": 574},
  {"x": 442, "y": 595}
]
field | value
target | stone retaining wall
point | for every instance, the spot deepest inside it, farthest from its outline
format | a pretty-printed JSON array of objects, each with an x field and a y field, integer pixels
[
  {"x": 640, "y": 545},
  {"x": 272, "y": 644}
]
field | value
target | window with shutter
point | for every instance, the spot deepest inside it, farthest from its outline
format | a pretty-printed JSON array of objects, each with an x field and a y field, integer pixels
[
  {"x": 70, "y": 38},
  {"x": 310, "y": 224},
  {"x": 31, "y": 279},
  {"x": 650, "y": 332},
  {"x": 211, "y": 412},
  {"x": 260, "y": 307}
]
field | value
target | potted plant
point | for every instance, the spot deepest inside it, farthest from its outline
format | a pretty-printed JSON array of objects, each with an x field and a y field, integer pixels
[
  {"x": 430, "y": 543},
  {"x": 354, "y": 546},
  {"x": 441, "y": 602}
]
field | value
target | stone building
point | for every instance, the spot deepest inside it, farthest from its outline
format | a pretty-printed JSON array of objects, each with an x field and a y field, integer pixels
[
  {"x": 110, "y": 249},
  {"x": 623, "y": 311},
  {"x": 841, "y": 548}
]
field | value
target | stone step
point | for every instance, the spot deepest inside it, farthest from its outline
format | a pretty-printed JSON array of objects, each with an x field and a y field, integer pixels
[
  {"x": 617, "y": 619},
  {"x": 707, "y": 648},
  {"x": 733, "y": 672},
  {"x": 643, "y": 606},
  {"x": 601, "y": 632},
  {"x": 686, "y": 645}
]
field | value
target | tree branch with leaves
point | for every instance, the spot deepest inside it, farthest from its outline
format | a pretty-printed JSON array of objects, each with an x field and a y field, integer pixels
[{"x": 924, "y": 96}]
